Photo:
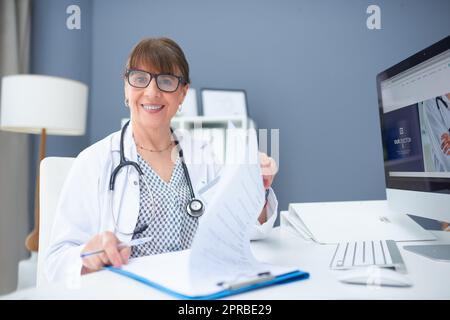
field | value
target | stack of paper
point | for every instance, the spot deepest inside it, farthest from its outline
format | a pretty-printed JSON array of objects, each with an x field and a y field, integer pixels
[{"x": 334, "y": 222}]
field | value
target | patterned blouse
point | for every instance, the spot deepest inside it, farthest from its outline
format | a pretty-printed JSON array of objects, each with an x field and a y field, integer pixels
[{"x": 164, "y": 217}]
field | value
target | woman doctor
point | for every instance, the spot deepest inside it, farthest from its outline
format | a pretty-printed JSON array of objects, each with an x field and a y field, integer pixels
[
  {"x": 152, "y": 204},
  {"x": 437, "y": 121}
]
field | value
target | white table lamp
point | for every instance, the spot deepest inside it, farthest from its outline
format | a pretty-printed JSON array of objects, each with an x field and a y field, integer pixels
[{"x": 42, "y": 105}]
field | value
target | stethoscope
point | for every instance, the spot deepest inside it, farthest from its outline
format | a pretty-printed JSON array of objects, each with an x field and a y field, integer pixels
[
  {"x": 439, "y": 99},
  {"x": 194, "y": 208}
]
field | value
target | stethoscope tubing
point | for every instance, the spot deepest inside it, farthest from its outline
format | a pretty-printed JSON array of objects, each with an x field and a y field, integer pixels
[{"x": 195, "y": 207}]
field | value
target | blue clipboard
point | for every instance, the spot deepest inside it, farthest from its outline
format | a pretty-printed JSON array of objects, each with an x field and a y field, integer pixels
[{"x": 229, "y": 289}]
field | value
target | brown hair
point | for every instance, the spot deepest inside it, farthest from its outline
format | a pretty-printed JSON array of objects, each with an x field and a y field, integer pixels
[{"x": 163, "y": 54}]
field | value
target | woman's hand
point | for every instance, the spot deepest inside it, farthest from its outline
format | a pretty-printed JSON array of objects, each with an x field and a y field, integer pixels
[
  {"x": 112, "y": 256},
  {"x": 268, "y": 168},
  {"x": 445, "y": 145}
]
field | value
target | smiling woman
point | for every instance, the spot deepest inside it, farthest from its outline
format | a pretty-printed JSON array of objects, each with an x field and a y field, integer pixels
[{"x": 154, "y": 197}]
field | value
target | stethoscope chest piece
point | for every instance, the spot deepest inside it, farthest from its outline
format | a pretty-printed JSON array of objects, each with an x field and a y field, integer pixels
[{"x": 195, "y": 208}]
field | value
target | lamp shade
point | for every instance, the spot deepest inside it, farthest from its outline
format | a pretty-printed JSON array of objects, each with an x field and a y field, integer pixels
[{"x": 30, "y": 103}]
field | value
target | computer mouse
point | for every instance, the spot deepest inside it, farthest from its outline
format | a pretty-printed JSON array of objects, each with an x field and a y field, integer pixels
[{"x": 374, "y": 276}]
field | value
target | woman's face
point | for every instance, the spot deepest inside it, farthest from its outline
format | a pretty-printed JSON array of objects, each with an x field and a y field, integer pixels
[{"x": 150, "y": 107}]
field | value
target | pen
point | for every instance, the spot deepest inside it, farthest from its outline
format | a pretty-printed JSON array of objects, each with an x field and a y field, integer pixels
[{"x": 121, "y": 245}]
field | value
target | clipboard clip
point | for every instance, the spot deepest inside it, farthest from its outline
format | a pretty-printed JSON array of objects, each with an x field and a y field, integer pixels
[{"x": 233, "y": 285}]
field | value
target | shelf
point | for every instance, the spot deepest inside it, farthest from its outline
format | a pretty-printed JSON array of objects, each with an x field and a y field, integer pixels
[{"x": 198, "y": 122}]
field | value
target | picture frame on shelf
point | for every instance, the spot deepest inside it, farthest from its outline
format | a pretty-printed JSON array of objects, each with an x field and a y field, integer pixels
[{"x": 224, "y": 102}]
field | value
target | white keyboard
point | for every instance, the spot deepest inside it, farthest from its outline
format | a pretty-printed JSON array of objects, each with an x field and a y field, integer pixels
[{"x": 382, "y": 253}]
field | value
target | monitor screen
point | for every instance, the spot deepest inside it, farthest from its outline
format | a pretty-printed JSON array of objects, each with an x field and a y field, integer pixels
[{"x": 414, "y": 100}]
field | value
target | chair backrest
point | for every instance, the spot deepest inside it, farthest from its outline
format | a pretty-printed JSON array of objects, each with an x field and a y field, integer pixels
[{"x": 53, "y": 173}]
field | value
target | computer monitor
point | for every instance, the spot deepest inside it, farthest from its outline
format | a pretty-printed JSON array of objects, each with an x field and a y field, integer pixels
[{"x": 414, "y": 101}]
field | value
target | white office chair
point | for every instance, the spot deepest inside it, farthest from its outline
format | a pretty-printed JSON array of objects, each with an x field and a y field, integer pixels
[{"x": 53, "y": 172}]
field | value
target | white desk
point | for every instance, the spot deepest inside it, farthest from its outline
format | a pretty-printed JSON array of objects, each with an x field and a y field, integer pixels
[{"x": 431, "y": 279}]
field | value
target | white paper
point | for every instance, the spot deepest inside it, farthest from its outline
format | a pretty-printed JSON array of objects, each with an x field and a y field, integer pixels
[
  {"x": 236, "y": 144},
  {"x": 334, "y": 222},
  {"x": 170, "y": 270},
  {"x": 221, "y": 247}
]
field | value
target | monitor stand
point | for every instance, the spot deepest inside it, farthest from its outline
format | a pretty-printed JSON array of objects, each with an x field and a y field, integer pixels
[{"x": 438, "y": 252}]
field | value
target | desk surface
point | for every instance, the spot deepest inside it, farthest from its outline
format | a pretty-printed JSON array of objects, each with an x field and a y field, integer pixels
[{"x": 284, "y": 247}]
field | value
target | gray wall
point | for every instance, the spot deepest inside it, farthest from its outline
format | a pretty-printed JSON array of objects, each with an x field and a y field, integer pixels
[
  {"x": 308, "y": 68},
  {"x": 58, "y": 51}
]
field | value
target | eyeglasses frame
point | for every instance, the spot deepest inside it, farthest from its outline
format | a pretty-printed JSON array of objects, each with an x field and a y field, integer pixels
[{"x": 155, "y": 76}]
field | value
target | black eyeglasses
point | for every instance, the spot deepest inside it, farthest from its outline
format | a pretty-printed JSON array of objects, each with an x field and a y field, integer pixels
[{"x": 164, "y": 82}]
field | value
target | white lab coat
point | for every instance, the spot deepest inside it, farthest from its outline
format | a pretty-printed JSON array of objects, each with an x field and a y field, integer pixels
[
  {"x": 83, "y": 207},
  {"x": 437, "y": 123}
]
